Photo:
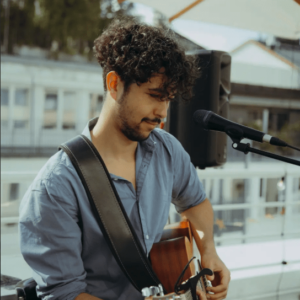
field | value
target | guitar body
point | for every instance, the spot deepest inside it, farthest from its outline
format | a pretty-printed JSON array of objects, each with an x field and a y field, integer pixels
[{"x": 172, "y": 253}]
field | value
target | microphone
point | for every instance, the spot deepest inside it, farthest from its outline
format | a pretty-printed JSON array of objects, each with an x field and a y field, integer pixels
[{"x": 211, "y": 121}]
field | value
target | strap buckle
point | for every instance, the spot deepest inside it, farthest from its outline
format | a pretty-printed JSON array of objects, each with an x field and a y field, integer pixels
[{"x": 153, "y": 291}]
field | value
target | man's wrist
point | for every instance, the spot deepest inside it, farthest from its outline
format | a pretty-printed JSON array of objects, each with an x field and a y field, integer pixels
[{"x": 208, "y": 248}]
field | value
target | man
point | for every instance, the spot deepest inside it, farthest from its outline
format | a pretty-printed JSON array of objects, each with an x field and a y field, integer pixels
[{"x": 143, "y": 69}]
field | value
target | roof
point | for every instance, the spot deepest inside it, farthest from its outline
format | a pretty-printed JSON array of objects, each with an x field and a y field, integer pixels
[
  {"x": 255, "y": 64},
  {"x": 290, "y": 53},
  {"x": 38, "y": 62},
  {"x": 268, "y": 50}
]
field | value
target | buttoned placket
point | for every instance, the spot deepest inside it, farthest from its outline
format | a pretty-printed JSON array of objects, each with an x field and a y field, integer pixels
[
  {"x": 148, "y": 148},
  {"x": 141, "y": 175}
]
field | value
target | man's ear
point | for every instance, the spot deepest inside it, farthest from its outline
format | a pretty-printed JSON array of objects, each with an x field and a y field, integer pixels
[{"x": 112, "y": 84}]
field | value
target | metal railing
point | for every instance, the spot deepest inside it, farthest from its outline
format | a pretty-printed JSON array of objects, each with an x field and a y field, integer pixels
[{"x": 233, "y": 171}]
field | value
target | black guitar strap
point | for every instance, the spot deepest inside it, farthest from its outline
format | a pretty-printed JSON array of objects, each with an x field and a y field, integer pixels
[{"x": 110, "y": 213}]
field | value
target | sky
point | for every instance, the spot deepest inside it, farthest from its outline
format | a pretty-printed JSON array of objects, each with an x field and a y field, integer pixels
[
  {"x": 212, "y": 36},
  {"x": 207, "y": 35}
]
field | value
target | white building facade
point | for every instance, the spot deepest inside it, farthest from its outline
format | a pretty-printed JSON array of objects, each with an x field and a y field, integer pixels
[
  {"x": 257, "y": 215},
  {"x": 44, "y": 103}
]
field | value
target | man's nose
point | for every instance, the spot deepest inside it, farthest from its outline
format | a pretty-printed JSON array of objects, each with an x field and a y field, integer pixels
[{"x": 162, "y": 109}]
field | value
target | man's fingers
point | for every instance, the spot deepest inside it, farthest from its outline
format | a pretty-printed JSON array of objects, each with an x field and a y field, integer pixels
[
  {"x": 222, "y": 282},
  {"x": 201, "y": 294},
  {"x": 218, "y": 296},
  {"x": 220, "y": 291},
  {"x": 217, "y": 289},
  {"x": 210, "y": 278},
  {"x": 225, "y": 278}
]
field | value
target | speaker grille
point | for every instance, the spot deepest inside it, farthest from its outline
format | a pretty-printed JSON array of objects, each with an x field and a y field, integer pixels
[{"x": 211, "y": 92}]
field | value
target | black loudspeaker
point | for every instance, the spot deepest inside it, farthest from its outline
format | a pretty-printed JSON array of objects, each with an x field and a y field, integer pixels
[{"x": 211, "y": 91}]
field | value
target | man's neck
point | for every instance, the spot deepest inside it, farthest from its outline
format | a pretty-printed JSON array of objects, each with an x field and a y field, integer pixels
[{"x": 111, "y": 143}]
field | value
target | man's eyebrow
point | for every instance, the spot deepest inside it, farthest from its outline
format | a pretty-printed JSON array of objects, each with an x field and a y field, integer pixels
[{"x": 162, "y": 91}]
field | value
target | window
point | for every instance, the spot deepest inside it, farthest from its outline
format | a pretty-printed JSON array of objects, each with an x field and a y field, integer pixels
[
  {"x": 4, "y": 109},
  {"x": 278, "y": 120},
  {"x": 272, "y": 195},
  {"x": 282, "y": 120},
  {"x": 4, "y": 97},
  {"x": 208, "y": 185},
  {"x": 296, "y": 184},
  {"x": 21, "y": 109},
  {"x": 69, "y": 110},
  {"x": 261, "y": 182},
  {"x": 96, "y": 103},
  {"x": 50, "y": 110},
  {"x": 238, "y": 190},
  {"x": 263, "y": 187},
  {"x": 51, "y": 102},
  {"x": 4, "y": 124},
  {"x": 14, "y": 191},
  {"x": 21, "y": 98},
  {"x": 21, "y": 124}
]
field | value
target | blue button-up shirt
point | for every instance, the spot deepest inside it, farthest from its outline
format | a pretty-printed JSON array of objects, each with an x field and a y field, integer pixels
[{"x": 67, "y": 260}]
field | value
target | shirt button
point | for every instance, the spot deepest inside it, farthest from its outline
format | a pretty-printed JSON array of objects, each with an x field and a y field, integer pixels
[
  {"x": 115, "y": 179},
  {"x": 147, "y": 237}
]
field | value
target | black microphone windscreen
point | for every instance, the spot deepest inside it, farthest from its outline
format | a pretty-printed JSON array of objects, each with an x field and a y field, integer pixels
[{"x": 200, "y": 117}]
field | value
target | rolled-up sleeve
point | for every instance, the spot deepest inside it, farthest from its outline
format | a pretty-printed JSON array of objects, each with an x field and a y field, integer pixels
[
  {"x": 50, "y": 239},
  {"x": 187, "y": 188}
]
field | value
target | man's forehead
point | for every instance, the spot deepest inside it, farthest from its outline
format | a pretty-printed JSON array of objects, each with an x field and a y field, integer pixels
[
  {"x": 156, "y": 81},
  {"x": 157, "y": 84}
]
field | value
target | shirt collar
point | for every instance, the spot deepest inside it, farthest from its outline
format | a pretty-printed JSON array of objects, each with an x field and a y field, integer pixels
[
  {"x": 148, "y": 144},
  {"x": 89, "y": 126}
]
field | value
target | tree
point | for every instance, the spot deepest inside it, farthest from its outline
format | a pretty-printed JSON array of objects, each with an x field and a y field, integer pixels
[
  {"x": 22, "y": 29},
  {"x": 69, "y": 26}
]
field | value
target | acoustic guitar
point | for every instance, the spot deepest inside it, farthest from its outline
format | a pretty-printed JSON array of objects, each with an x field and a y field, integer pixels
[{"x": 172, "y": 254}]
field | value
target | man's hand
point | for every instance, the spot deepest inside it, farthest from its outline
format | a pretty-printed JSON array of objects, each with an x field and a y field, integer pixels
[
  {"x": 220, "y": 279},
  {"x": 201, "y": 218},
  {"x": 201, "y": 295}
]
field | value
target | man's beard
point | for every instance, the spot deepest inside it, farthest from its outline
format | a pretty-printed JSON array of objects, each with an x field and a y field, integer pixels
[{"x": 133, "y": 133}]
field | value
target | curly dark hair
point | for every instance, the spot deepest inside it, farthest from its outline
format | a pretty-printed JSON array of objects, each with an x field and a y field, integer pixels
[{"x": 136, "y": 51}]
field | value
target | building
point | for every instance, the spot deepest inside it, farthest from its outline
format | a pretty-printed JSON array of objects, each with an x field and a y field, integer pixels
[
  {"x": 265, "y": 93},
  {"x": 44, "y": 103}
]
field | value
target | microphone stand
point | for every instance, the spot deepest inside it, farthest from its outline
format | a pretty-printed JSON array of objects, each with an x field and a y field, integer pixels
[{"x": 245, "y": 148}]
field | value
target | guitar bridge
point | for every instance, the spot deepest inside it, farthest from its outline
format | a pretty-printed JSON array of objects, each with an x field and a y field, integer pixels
[{"x": 184, "y": 296}]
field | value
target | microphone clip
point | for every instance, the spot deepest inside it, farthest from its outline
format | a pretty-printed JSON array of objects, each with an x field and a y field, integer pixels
[
  {"x": 235, "y": 133},
  {"x": 237, "y": 145}
]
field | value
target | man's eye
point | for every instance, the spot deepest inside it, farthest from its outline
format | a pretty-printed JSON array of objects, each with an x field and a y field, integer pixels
[{"x": 161, "y": 98}]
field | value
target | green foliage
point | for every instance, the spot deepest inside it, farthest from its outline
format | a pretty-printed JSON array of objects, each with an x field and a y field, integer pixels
[
  {"x": 72, "y": 24},
  {"x": 22, "y": 29},
  {"x": 68, "y": 26}
]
